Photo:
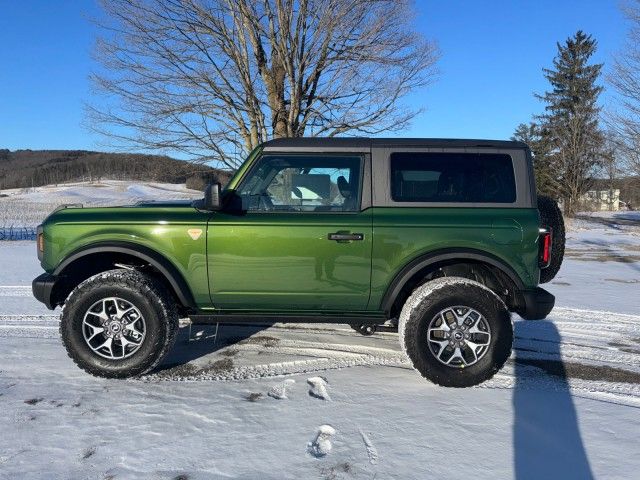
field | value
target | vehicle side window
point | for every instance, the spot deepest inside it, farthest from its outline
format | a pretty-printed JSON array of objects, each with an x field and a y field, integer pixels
[
  {"x": 452, "y": 177},
  {"x": 311, "y": 183}
]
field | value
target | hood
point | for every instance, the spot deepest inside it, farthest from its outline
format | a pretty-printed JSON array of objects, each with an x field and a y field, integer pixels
[{"x": 142, "y": 212}]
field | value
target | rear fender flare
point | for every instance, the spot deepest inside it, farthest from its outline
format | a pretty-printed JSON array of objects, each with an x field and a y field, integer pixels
[{"x": 433, "y": 258}]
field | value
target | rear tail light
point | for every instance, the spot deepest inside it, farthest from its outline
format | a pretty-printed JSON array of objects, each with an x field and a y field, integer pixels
[{"x": 544, "y": 258}]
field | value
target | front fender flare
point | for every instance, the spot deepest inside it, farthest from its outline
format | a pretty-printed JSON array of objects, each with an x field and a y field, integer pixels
[{"x": 148, "y": 255}]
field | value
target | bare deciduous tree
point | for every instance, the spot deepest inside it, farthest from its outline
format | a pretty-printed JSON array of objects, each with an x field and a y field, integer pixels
[
  {"x": 610, "y": 165},
  {"x": 212, "y": 77},
  {"x": 624, "y": 117}
]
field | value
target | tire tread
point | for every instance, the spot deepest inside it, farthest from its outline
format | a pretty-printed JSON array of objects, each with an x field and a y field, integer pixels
[
  {"x": 431, "y": 293},
  {"x": 142, "y": 284}
]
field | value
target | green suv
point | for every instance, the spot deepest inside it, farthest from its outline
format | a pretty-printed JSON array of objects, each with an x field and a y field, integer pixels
[{"x": 439, "y": 238}]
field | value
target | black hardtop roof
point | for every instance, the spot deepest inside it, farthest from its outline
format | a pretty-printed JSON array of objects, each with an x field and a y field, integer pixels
[{"x": 363, "y": 142}]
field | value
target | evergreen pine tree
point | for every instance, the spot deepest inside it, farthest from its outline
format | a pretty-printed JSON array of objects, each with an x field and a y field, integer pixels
[
  {"x": 570, "y": 122},
  {"x": 533, "y": 135}
]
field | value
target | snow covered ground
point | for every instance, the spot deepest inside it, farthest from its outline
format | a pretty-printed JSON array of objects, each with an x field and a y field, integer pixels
[{"x": 320, "y": 401}]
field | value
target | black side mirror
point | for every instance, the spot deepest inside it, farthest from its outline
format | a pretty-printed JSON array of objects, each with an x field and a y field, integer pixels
[{"x": 212, "y": 197}]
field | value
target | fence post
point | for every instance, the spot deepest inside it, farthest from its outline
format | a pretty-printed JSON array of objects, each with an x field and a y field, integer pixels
[{"x": 17, "y": 233}]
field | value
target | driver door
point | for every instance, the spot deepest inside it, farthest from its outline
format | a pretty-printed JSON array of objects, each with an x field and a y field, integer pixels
[{"x": 301, "y": 241}]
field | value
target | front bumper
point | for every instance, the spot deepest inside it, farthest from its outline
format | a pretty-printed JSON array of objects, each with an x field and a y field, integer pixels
[
  {"x": 42, "y": 287},
  {"x": 535, "y": 304}
]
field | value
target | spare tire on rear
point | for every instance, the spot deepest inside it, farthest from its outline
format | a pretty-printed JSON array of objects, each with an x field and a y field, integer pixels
[{"x": 551, "y": 217}]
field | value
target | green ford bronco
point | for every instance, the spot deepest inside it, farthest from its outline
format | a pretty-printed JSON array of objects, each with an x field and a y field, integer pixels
[{"x": 440, "y": 239}]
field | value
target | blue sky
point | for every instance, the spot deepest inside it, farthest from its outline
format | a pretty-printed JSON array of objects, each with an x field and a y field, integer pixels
[{"x": 493, "y": 53}]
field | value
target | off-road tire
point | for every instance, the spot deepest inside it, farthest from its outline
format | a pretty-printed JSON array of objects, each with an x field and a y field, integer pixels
[
  {"x": 551, "y": 216},
  {"x": 431, "y": 298},
  {"x": 152, "y": 300}
]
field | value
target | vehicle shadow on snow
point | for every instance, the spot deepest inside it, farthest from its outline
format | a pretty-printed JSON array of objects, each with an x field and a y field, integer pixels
[
  {"x": 202, "y": 340},
  {"x": 546, "y": 434}
]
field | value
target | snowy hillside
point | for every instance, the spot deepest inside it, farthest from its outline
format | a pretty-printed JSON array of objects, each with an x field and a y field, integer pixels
[
  {"x": 104, "y": 192},
  {"x": 322, "y": 402},
  {"x": 27, "y": 207}
]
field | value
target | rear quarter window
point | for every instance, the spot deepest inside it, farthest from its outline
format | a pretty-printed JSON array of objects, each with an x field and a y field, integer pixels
[{"x": 452, "y": 177}]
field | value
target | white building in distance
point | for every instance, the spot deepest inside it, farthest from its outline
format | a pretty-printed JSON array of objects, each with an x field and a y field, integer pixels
[{"x": 602, "y": 200}]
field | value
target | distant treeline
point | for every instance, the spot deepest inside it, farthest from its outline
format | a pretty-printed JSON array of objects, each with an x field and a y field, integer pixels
[{"x": 34, "y": 168}]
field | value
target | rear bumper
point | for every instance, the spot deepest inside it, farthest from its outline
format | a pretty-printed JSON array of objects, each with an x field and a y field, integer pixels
[
  {"x": 42, "y": 287},
  {"x": 535, "y": 304}
]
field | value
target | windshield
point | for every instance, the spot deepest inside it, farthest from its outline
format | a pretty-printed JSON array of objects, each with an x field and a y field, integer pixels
[{"x": 235, "y": 180}]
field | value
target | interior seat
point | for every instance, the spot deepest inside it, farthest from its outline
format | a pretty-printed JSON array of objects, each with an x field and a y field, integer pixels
[{"x": 347, "y": 192}]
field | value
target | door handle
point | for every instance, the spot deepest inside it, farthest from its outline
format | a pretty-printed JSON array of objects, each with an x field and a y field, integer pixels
[{"x": 342, "y": 237}]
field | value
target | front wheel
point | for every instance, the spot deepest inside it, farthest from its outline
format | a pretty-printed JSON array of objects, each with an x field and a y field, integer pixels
[
  {"x": 118, "y": 324},
  {"x": 456, "y": 332}
]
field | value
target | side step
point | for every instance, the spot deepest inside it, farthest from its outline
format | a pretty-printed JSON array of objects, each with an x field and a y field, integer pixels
[{"x": 270, "y": 318}]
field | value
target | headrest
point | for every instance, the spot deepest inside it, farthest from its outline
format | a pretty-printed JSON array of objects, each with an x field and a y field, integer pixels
[{"x": 344, "y": 187}]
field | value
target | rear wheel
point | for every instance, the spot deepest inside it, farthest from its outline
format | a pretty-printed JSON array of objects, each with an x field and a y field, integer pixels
[
  {"x": 456, "y": 332},
  {"x": 118, "y": 324}
]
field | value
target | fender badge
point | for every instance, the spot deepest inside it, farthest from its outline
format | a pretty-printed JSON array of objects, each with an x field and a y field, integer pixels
[{"x": 194, "y": 233}]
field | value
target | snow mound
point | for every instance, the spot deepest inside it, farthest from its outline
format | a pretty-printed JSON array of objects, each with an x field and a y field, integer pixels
[
  {"x": 318, "y": 388},
  {"x": 279, "y": 392},
  {"x": 321, "y": 446}
]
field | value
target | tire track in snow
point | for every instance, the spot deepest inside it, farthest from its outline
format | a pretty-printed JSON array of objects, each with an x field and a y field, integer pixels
[
  {"x": 372, "y": 453},
  {"x": 588, "y": 356},
  {"x": 620, "y": 393},
  {"x": 574, "y": 346},
  {"x": 275, "y": 369},
  {"x": 586, "y": 337},
  {"x": 15, "y": 291},
  {"x": 35, "y": 320},
  {"x": 29, "y": 326},
  {"x": 579, "y": 316}
]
